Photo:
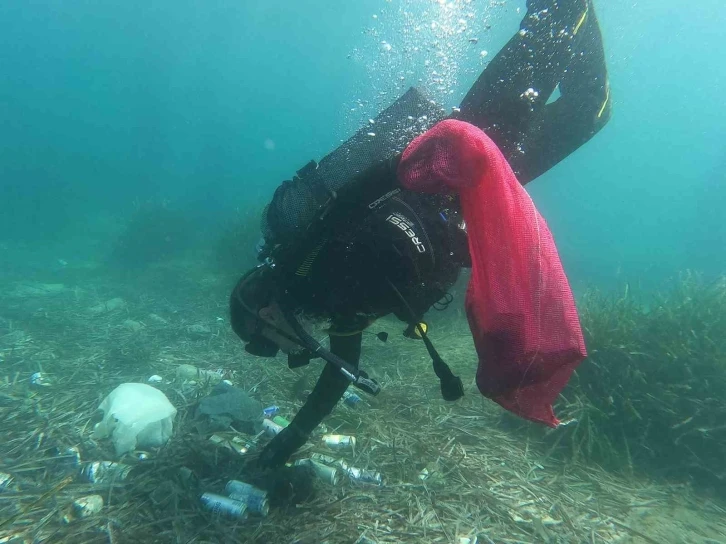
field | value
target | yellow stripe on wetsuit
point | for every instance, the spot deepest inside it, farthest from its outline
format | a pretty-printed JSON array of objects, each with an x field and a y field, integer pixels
[
  {"x": 582, "y": 20},
  {"x": 607, "y": 99}
]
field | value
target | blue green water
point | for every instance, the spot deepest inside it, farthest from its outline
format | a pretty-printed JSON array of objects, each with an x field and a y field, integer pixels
[
  {"x": 207, "y": 106},
  {"x": 210, "y": 105}
]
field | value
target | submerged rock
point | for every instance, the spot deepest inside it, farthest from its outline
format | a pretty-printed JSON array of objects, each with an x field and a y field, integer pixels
[
  {"x": 25, "y": 290},
  {"x": 131, "y": 325},
  {"x": 199, "y": 330},
  {"x": 110, "y": 305}
]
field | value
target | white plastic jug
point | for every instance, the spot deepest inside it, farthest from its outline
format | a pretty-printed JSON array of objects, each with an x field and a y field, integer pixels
[{"x": 135, "y": 415}]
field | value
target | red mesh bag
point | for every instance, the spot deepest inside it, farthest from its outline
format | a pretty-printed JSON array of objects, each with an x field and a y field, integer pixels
[{"x": 521, "y": 311}]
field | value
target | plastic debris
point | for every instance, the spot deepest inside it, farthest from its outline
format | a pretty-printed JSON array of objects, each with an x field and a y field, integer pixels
[
  {"x": 155, "y": 379},
  {"x": 192, "y": 373},
  {"x": 281, "y": 421},
  {"x": 135, "y": 415},
  {"x": 226, "y": 405}
]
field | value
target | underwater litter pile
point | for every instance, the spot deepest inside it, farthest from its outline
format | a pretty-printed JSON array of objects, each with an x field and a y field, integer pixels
[
  {"x": 650, "y": 396},
  {"x": 447, "y": 472}
]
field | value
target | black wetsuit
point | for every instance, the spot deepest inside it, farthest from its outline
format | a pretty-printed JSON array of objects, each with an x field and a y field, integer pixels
[{"x": 558, "y": 44}]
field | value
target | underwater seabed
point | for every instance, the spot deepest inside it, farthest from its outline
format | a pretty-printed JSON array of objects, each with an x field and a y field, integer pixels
[{"x": 640, "y": 460}]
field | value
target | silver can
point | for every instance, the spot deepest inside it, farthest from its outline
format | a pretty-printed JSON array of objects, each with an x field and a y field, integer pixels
[
  {"x": 365, "y": 476},
  {"x": 87, "y": 506},
  {"x": 224, "y": 506},
  {"x": 100, "y": 472},
  {"x": 326, "y": 459},
  {"x": 339, "y": 441},
  {"x": 254, "y": 498},
  {"x": 271, "y": 428},
  {"x": 235, "y": 444},
  {"x": 326, "y": 473},
  {"x": 71, "y": 457}
]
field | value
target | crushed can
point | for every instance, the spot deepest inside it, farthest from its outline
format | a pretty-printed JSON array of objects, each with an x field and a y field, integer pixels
[
  {"x": 254, "y": 498},
  {"x": 87, "y": 506},
  {"x": 339, "y": 441},
  {"x": 326, "y": 473},
  {"x": 271, "y": 411},
  {"x": 364, "y": 476},
  {"x": 68, "y": 460},
  {"x": 271, "y": 428},
  {"x": 235, "y": 444},
  {"x": 101, "y": 472},
  {"x": 224, "y": 506}
]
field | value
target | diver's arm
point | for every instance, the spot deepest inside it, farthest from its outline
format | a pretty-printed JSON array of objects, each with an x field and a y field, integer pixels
[
  {"x": 331, "y": 384},
  {"x": 325, "y": 395}
]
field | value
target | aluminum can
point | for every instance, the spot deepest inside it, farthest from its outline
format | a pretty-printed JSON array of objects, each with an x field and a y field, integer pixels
[
  {"x": 326, "y": 459},
  {"x": 271, "y": 428},
  {"x": 326, "y": 473},
  {"x": 68, "y": 460},
  {"x": 339, "y": 441},
  {"x": 366, "y": 476},
  {"x": 224, "y": 506},
  {"x": 281, "y": 421},
  {"x": 351, "y": 399},
  {"x": 236, "y": 444},
  {"x": 100, "y": 472},
  {"x": 87, "y": 506},
  {"x": 254, "y": 498}
]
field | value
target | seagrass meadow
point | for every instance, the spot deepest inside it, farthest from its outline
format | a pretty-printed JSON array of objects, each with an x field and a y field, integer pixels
[{"x": 640, "y": 459}]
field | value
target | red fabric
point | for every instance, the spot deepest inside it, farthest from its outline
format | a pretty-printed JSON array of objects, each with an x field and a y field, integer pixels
[{"x": 520, "y": 308}]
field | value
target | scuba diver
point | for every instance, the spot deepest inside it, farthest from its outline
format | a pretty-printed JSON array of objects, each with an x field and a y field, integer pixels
[{"x": 384, "y": 224}]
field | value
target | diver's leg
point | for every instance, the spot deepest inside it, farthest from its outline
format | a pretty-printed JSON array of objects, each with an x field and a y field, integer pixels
[
  {"x": 582, "y": 109},
  {"x": 510, "y": 96}
]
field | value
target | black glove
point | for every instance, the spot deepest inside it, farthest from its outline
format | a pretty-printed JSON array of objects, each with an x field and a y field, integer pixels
[{"x": 280, "y": 448}]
